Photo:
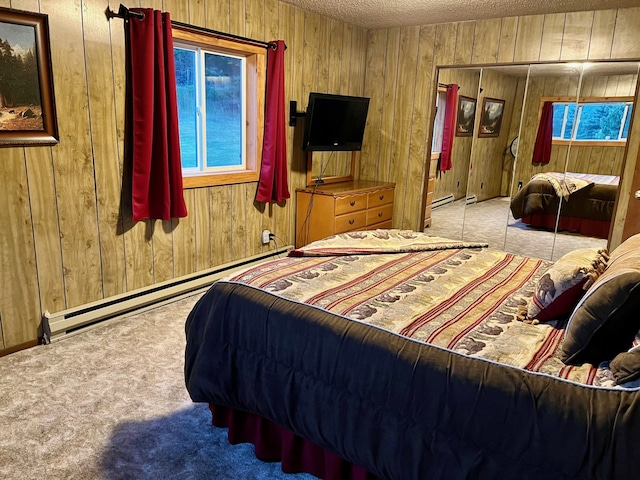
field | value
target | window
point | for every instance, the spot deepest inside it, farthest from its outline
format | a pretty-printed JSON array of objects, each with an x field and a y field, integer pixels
[
  {"x": 220, "y": 88},
  {"x": 592, "y": 121}
]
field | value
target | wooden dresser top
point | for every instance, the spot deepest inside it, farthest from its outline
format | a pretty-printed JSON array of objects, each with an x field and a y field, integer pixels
[{"x": 345, "y": 188}]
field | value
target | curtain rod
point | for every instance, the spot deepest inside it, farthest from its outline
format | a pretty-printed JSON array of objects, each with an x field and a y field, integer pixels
[
  {"x": 225, "y": 35},
  {"x": 125, "y": 13}
]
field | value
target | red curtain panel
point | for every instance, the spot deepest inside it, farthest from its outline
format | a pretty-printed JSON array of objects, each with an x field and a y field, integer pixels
[
  {"x": 157, "y": 170},
  {"x": 449, "y": 128},
  {"x": 273, "y": 185},
  {"x": 542, "y": 147}
]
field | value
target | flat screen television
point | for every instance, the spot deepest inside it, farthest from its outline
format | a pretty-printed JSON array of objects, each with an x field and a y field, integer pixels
[{"x": 334, "y": 122}]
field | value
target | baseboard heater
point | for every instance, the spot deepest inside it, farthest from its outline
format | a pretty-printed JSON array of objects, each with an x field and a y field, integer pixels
[
  {"x": 472, "y": 199},
  {"x": 442, "y": 201},
  {"x": 55, "y": 326}
]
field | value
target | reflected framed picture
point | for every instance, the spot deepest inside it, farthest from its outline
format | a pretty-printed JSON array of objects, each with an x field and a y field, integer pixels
[
  {"x": 27, "y": 107},
  {"x": 466, "y": 116},
  {"x": 491, "y": 119}
]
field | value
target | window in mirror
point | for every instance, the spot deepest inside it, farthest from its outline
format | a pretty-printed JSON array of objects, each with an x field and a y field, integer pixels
[
  {"x": 594, "y": 121},
  {"x": 438, "y": 124}
]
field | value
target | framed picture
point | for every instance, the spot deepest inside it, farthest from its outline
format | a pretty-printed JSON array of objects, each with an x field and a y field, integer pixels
[
  {"x": 27, "y": 108},
  {"x": 466, "y": 116},
  {"x": 491, "y": 119}
]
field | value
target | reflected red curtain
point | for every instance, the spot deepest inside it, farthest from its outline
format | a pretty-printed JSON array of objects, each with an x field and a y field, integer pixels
[
  {"x": 449, "y": 128},
  {"x": 542, "y": 147},
  {"x": 156, "y": 165},
  {"x": 273, "y": 185}
]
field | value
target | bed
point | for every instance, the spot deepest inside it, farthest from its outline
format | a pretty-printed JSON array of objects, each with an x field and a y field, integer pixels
[
  {"x": 587, "y": 202},
  {"x": 391, "y": 354}
]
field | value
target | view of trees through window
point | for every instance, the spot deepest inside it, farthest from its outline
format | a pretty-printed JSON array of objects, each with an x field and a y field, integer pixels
[
  {"x": 593, "y": 121},
  {"x": 210, "y": 89}
]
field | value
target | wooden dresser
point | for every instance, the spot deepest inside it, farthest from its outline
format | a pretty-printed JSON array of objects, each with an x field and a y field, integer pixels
[{"x": 329, "y": 209}]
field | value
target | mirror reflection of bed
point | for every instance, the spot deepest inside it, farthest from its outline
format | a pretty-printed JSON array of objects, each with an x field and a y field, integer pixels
[{"x": 488, "y": 193}]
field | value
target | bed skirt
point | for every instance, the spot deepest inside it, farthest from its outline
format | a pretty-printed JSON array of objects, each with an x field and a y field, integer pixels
[
  {"x": 274, "y": 443},
  {"x": 583, "y": 226}
]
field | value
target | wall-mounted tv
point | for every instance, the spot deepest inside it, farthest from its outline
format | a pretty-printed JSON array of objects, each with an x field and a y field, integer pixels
[{"x": 334, "y": 122}]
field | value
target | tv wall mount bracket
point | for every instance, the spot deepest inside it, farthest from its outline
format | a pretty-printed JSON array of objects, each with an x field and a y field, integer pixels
[{"x": 294, "y": 113}]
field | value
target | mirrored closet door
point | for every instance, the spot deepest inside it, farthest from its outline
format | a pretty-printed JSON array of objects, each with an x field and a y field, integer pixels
[
  {"x": 450, "y": 184},
  {"x": 500, "y": 187}
]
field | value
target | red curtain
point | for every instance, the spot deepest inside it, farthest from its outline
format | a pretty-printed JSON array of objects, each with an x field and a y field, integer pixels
[
  {"x": 273, "y": 185},
  {"x": 542, "y": 148},
  {"x": 156, "y": 165},
  {"x": 449, "y": 128}
]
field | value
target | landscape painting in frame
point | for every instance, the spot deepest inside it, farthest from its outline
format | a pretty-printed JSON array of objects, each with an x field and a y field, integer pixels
[
  {"x": 491, "y": 119},
  {"x": 466, "y": 116},
  {"x": 27, "y": 109}
]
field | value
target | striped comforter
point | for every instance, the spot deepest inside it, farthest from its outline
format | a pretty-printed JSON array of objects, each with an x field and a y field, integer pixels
[{"x": 458, "y": 296}]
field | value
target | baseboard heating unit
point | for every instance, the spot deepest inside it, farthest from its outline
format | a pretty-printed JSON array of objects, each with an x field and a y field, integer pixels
[
  {"x": 61, "y": 324},
  {"x": 442, "y": 201}
]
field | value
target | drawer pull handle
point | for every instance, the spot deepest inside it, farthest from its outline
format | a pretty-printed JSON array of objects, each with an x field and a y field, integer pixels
[
  {"x": 352, "y": 203},
  {"x": 381, "y": 197},
  {"x": 380, "y": 214},
  {"x": 351, "y": 222}
]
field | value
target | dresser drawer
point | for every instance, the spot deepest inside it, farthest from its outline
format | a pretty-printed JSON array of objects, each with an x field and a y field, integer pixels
[
  {"x": 350, "y": 221},
  {"x": 380, "y": 214},
  {"x": 381, "y": 197},
  {"x": 431, "y": 184},
  {"x": 350, "y": 203}
]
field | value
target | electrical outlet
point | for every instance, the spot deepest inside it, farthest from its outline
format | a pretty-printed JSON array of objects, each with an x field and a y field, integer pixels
[{"x": 266, "y": 236}]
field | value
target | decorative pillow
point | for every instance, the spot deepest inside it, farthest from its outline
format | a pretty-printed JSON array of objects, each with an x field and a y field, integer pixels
[
  {"x": 562, "y": 286},
  {"x": 606, "y": 321},
  {"x": 627, "y": 250},
  {"x": 626, "y": 366}
]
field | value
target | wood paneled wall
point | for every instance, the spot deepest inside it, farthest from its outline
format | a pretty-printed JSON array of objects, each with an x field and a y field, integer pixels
[
  {"x": 64, "y": 241},
  {"x": 400, "y": 81}
]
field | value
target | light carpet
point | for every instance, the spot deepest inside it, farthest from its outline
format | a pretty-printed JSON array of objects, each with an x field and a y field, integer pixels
[
  {"x": 110, "y": 403},
  {"x": 491, "y": 221}
]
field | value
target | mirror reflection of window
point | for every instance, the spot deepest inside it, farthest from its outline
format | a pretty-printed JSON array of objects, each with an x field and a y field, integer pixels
[
  {"x": 438, "y": 124},
  {"x": 606, "y": 121}
]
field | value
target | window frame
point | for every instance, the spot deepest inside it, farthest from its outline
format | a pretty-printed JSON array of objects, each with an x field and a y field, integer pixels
[
  {"x": 256, "y": 61},
  {"x": 578, "y": 101}
]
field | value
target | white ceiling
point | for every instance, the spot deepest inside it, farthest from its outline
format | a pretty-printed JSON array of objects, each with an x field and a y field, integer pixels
[{"x": 394, "y": 13}]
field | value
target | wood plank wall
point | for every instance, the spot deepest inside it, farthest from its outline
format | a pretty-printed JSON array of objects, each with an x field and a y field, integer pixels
[
  {"x": 64, "y": 241},
  {"x": 396, "y": 68}
]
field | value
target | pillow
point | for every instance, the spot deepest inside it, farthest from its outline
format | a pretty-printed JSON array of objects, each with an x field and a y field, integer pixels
[
  {"x": 606, "y": 321},
  {"x": 626, "y": 366},
  {"x": 562, "y": 286},
  {"x": 626, "y": 250}
]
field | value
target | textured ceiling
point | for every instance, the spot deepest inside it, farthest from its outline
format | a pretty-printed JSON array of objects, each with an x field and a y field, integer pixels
[{"x": 393, "y": 13}]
